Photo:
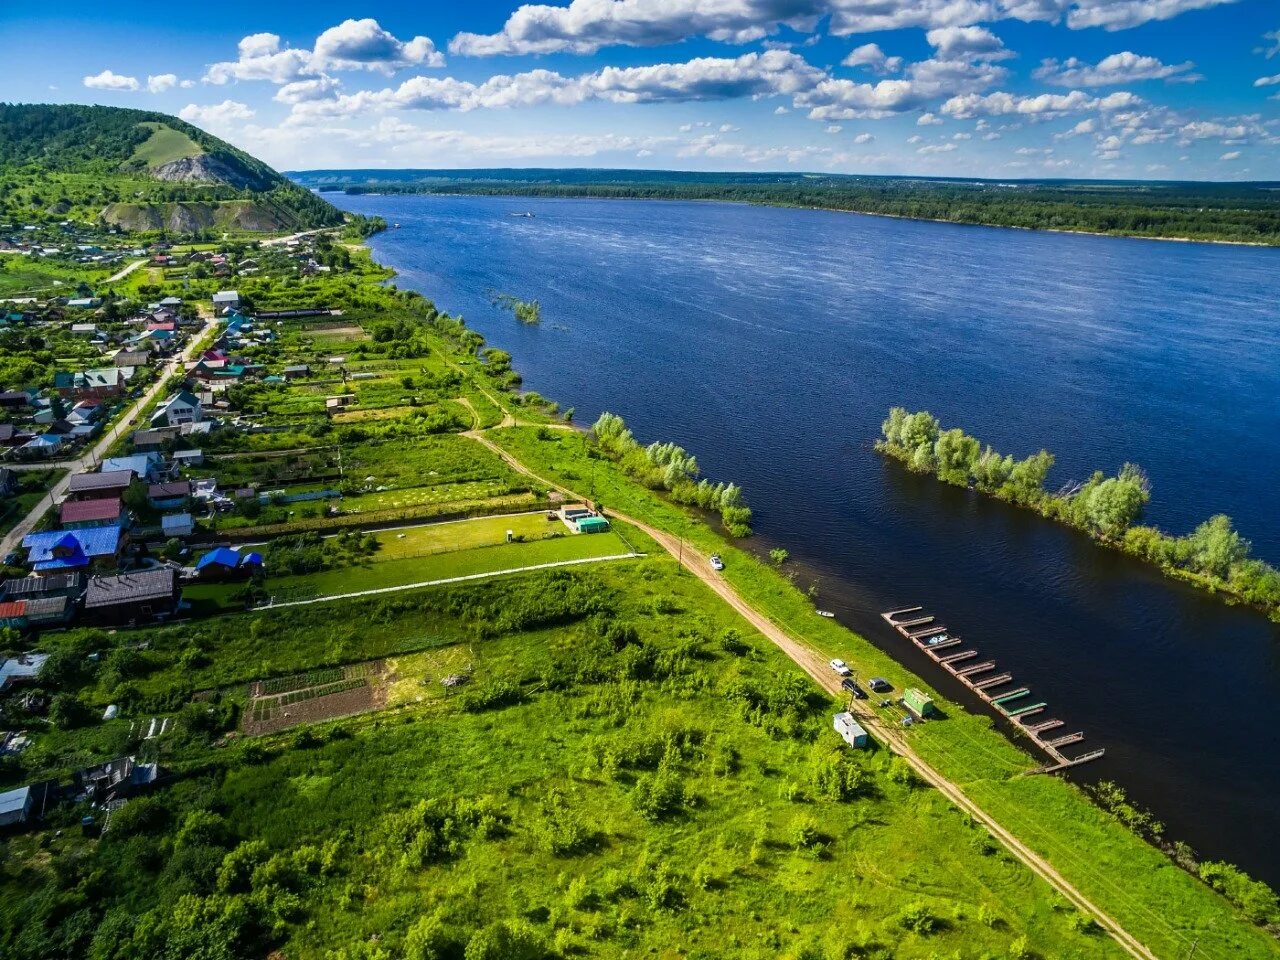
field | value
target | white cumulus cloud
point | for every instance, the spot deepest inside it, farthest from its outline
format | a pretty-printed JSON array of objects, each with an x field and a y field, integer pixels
[
  {"x": 107, "y": 80},
  {"x": 351, "y": 45},
  {"x": 216, "y": 116},
  {"x": 365, "y": 45},
  {"x": 870, "y": 56},
  {"x": 1126, "y": 67}
]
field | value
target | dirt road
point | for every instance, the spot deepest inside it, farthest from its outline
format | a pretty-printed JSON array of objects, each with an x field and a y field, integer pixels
[
  {"x": 814, "y": 664},
  {"x": 117, "y": 277}
]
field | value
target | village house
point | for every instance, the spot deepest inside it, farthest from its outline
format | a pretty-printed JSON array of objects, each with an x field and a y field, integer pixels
[
  {"x": 82, "y": 514},
  {"x": 152, "y": 441},
  {"x": 17, "y": 806},
  {"x": 131, "y": 358},
  {"x": 44, "y": 446},
  {"x": 36, "y": 614},
  {"x": 169, "y": 496},
  {"x": 57, "y": 551},
  {"x": 182, "y": 407},
  {"x": 102, "y": 384},
  {"x": 144, "y": 466},
  {"x": 16, "y": 399},
  {"x": 135, "y": 596},
  {"x": 38, "y": 588},
  {"x": 11, "y": 436},
  {"x": 223, "y": 563},
  {"x": 91, "y": 486},
  {"x": 226, "y": 300}
]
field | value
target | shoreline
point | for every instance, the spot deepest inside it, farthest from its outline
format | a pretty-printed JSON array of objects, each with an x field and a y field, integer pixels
[{"x": 823, "y": 209}]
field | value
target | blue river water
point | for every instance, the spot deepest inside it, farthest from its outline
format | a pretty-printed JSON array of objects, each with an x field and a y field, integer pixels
[{"x": 770, "y": 342}]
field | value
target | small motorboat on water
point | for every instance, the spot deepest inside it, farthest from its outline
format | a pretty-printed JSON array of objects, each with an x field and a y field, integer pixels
[
  {"x": 826, "y": 613},
  {"x": 395, "y": 226},
  {"x": 526, "y": 215},
  {"x": 937, "y": 638}
]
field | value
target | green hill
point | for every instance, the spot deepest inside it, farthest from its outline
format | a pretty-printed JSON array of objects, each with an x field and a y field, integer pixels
[{"x": 143, "y": 171}]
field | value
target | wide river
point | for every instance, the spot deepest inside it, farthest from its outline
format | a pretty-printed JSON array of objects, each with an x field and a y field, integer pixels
[{"x": 771, "y": 342}]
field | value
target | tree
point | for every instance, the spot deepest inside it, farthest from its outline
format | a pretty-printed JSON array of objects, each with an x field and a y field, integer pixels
[
  {"x": 1026, "y": 479},
  {"x": 68, "y": 712},
  {"x": 1216, "y": 547},
  {"x": 957, "y": 453},
  {"x": 779, "y": 556},
  {"x": 1113, "y": 505},
  {"x": 919, "y": 429}
]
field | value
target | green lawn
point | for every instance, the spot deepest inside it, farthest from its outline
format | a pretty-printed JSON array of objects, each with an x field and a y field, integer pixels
[
  {"x": 464, "y": 562},
  {"x": 463, "y": 534}
]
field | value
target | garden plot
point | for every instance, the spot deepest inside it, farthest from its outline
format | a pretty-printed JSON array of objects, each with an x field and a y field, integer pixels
[
  {"x": 317, "y": 695},
  {"x": 419, "y": 677}
]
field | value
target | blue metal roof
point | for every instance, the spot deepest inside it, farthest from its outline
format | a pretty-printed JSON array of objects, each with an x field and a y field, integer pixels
[
  {"x": 222, "y": 556},
  {"x": 83, "y": 545}
]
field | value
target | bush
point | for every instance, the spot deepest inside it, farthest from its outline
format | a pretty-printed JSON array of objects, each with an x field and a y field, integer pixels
[
  {"x": 1255, "y": 899},
  {"x": 506, "y": 940},
  {"x": 918, "y": 918},
  {"x": 67, "y": 712},
  {"x": 427, "y": 940},
  {"x": 659, "y": 795}
]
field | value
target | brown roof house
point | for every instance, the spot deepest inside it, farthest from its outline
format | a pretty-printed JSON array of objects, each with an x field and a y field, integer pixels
[{"x": 140, "y": 595}]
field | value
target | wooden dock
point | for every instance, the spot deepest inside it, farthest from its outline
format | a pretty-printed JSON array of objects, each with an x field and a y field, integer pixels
[{"x": 989, "y": 684}]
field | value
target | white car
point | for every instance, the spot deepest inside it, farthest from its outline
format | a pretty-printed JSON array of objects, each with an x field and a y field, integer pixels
[
  {"x": 840, "y": 667},
  {"x": 716, "y": 562}
]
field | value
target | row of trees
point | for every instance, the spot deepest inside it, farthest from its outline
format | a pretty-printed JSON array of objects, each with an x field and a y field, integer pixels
[
  {"x": 666, "y": 466},
  {"x": 1108, "y": 508}
]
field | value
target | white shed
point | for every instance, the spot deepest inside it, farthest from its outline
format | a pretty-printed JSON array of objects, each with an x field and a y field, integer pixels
[{"x": 850, "y": 730}]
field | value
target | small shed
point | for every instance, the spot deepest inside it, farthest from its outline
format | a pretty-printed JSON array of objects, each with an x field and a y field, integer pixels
[
  {"x": 16, "y": 806},
  {"x": 178, "y": 524},
  {"x": 850, "y": 730},
  {"x": 188, "y": 458},
  {"x": 919, "y": 703}
]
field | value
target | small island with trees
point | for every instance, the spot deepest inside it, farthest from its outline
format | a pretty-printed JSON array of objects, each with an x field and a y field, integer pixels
[{"x": 1214, "y": 556}]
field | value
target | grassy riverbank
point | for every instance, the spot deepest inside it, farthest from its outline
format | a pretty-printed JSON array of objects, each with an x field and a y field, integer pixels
[
  {"x": 1213, "y": 557},
  {"x": 1163, "y": 905}
]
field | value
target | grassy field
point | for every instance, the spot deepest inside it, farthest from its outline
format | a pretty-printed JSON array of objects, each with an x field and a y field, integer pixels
[
  {"x": 629, "y": 772},
  {"x": 163, "y": 146},
  {"x": 1165, "y": 907},
  {"x": 438, "y": 564}
]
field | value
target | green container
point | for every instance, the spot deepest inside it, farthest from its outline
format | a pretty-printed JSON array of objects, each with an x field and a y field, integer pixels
[{"x": 919, "y": 703}]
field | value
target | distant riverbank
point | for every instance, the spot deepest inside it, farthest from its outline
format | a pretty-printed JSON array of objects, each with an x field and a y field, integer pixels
[{"x": 1229, "y": 214}]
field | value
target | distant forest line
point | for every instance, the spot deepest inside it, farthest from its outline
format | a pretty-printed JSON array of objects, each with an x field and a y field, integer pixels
[{"x": 1222, "y": 212}]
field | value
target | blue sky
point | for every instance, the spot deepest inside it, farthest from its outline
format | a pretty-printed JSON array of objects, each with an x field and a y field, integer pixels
[{"x": 1161, "y": 89}]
